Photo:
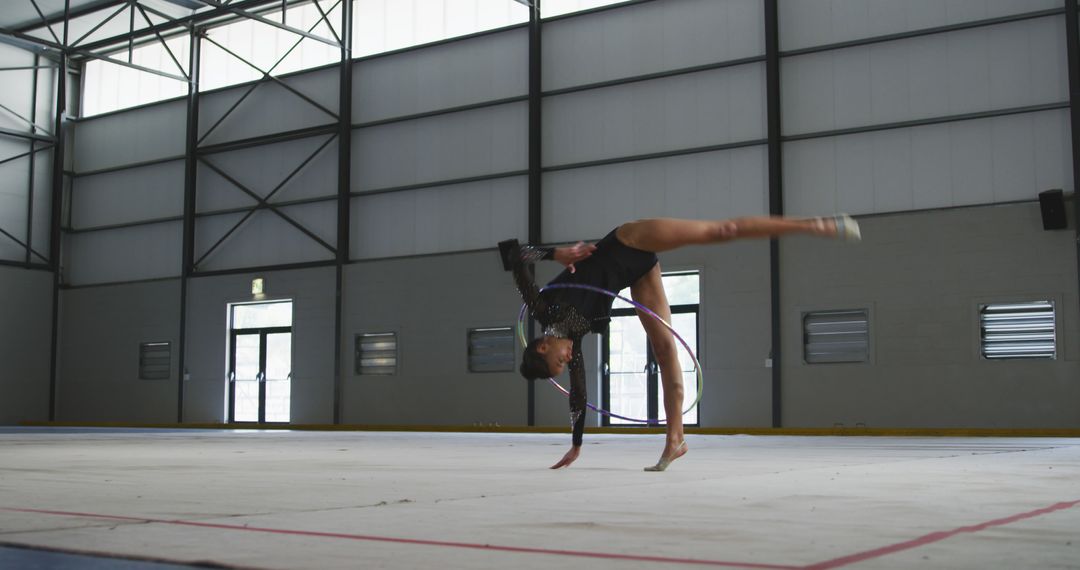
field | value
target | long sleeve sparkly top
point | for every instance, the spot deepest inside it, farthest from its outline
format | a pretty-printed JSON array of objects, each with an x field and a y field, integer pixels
[{"x": 561, "y": 320}]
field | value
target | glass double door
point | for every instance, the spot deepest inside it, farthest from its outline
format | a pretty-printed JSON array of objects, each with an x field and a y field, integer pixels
[
  {"x": 260, "y": 375},
  {"x": 631, "y": 376}
]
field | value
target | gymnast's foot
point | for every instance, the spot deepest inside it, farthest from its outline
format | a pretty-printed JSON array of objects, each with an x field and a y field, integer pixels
[
  {"x": 840, "y": 226},
  {"x": 668, "y": 456}
]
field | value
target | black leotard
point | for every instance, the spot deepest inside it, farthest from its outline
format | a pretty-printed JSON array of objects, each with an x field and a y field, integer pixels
[{"x": 573, "y": 313}]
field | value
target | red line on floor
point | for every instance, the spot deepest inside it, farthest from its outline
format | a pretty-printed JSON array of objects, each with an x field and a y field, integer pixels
[
  {"x": 475, "y": 546},
  {"x": 935, "y": 537}
]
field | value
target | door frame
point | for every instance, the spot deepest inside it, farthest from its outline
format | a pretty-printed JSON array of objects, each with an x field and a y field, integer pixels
[
  {"x": 652, "y": 391},
  {"x": 260, "y": 377}
]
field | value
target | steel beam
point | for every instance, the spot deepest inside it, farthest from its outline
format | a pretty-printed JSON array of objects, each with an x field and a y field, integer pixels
[
  {"x": 191, "y": 169},
  {"x": 73, "y": 13},
  {"x": 268, "y": 22},
  {"x": 344, "y": 197},
  {"x": 284, "y": 85},
  {"x": 776, "y": 193},
  {"x": 172, "y": 25},
  {"x": 1072, "y": 46},
  {"x": 56, "y": 213},
  {"x": 251, "y": 89}
]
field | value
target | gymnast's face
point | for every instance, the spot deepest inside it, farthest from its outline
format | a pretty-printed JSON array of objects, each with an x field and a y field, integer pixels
[{"x": 556, "y": 352}]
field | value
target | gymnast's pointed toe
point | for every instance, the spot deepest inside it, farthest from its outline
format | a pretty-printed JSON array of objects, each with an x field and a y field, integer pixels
[{"x": 666, "y": 460}]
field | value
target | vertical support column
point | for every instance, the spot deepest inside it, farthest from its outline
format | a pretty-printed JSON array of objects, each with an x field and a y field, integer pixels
[
  {"x": 187, "y": 260},
  {"x": 344, "y": 195},
  {"x": 776, "y": 193},
  {"x": 33, "y": 153},
  {"x": 1072, "y": 44},
  {"x": 57, "y": 209},
  {"x": 535, "y": 176}
]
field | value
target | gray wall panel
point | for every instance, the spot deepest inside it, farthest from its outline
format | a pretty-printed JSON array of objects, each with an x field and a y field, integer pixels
[
  {"x": 263, "y": 168},
  {"x": 125, "y": 254},
  {"x": 101, "y": 328},
  {"x": 587, "y": 202},
  {"x": 289, "y": 111},
  {"x": 14, "y": 197},
  {"x": 923, "y": 276},
  {"x": 46, "y": 107},
  {"x": 1009, "y": 65},
  {"x": 686, "y": 111},
  {"x": 486, "y": 68},
  {"x": 137, "y": 135},
  {"x": 445, "y": 147},
  {"x": 952, "y": 164},
  {"x": 132, "y": 195},
  {"x": 264, "y": 239},
  {"x": 17, "y": 94},
  {"x": 25, "y": 338},
  {"x": 441, "y": 219},
  {"x": 312, "y": 293},
  {"x": 433, "y": 385},
  {"x": 42, "y": 203},
  {"x": 806, "y": 23},
  {"x": 650, "y": 38}
]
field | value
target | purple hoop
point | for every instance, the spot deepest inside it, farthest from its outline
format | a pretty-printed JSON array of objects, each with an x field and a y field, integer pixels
[{"x": 639, "y": 306}]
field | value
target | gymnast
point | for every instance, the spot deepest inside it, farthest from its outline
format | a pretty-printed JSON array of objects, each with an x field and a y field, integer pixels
[{"x": 626, "y": 257}]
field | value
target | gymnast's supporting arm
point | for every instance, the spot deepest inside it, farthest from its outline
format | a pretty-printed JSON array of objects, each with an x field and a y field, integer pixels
[{"x": 578, "y": 397}]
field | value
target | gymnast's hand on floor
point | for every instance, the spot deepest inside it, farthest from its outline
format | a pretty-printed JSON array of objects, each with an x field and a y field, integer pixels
[
  {"x": 569, "y": 458},
  {"x": 572, "y": 254}
]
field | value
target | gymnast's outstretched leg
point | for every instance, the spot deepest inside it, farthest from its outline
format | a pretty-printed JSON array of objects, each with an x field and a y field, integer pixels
[{"x": 664, "y": 234}]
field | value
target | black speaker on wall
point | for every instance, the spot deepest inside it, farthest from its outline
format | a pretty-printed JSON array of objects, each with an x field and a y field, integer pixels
[{"x": 1052, "y": 203}]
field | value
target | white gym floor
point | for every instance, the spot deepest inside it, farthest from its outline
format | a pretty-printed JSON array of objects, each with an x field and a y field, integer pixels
[{"x": 292, "y": 499}]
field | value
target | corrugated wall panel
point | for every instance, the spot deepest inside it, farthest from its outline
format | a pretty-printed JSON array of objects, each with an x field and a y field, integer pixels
[
  {"x": 289, "y": 111},
  {"x": 264, "y": 239},
  {"x": 1009, "y": 65},
  {"x": 14, "y": 197},
  {"x": 952, "y": 164},
  {"x": 446, "y": 147},
  {"x": 585, "y": 203},
  {"x": 18, "y": 94},
  {"x": 807, "y": 23},
  {"x": 42, "y": 203},
  {"x": 263, "y": 168},
  {"x": 137, "y": 194},
  {"x": 650, "y": 38},
  {"x": 686, "y": 111},
  {"x": 485, "y": 68},
  {"x": 126, "y": 254},
  {"x": 440, "y": 219},
  {"x": 137, "y": 135}
]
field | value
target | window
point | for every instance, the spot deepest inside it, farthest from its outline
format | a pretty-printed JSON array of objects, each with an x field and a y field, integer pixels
[
  {"x": 551, "y": 8},
  {"x": 376, "y": 354},
  {"x": 155, "y": 360},
  {"x": 491, "y": 350},
  {"x": 387, "y": 25},
  {"x": 836, "y": 336},
  {"x": 1018, "y": 330},
  {"x": 257, "y": 45},
  {"x": 108, "y": 86}
]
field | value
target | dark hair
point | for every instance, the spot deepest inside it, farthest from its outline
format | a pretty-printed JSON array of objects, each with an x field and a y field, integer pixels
[{"x": 533, "y": 365}]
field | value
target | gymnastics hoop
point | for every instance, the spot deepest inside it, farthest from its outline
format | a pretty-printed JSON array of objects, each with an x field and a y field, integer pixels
[{"x": 639, "y": 306}]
